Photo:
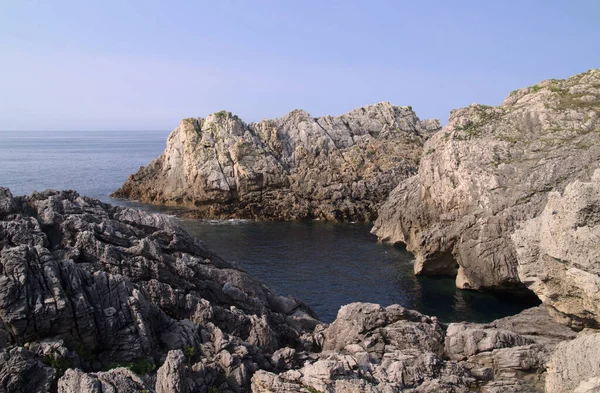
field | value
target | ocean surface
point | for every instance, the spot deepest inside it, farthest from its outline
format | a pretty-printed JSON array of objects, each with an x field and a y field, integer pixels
[{"x": 326, "y": 265}]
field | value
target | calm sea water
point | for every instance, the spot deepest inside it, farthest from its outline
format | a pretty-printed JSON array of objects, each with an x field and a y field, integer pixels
[{"x": 326, "y": 265}]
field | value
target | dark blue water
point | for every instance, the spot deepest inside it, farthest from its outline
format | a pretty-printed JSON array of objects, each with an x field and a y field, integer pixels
[{"x": 326, "y": 265}]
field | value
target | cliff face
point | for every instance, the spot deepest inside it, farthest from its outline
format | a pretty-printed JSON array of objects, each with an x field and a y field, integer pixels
[
  {"x": 559, "y": 253},
  {"x": 489, "y": 170},
  {"x": 295, "y": 167}
]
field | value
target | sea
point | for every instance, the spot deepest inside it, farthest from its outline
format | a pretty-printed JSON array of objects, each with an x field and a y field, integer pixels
[{"x": 324, "y": 264}]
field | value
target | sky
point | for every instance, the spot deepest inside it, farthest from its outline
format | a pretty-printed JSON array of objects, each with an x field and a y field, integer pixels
[{"x": 144, "y": 65}]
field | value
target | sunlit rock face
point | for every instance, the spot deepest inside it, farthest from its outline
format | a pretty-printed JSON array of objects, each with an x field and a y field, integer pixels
[
  {"x": 294, "y": 167},
  {"x": 487, "y": 172}
]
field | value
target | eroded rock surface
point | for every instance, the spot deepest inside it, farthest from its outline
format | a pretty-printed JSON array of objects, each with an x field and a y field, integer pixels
[
  {"x": 575, "y": 365},
  {"x": 487, "y": 171},
  {"x": 559, "y": 253},
  {"x": 90, "y": 286},
  {"x": 294, "y": 167},
  {"x": 102, "y": 299},
  {"x": 369, "y": 348}
]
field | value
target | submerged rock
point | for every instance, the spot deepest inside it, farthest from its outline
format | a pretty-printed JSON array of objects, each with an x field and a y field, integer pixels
[
  {"x": 490, "y": 170},
  {"x": 294, "y": 167}
]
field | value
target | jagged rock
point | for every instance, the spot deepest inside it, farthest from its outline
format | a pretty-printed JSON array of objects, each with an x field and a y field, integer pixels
[
  {"x": 464, "y": 340},
  {"x": 382, "y": 330},
  {"x": 84, "y": 284},
  {"x": 118, "y": 380},
  {"x": 369, "y": 348},
  {"x": 536, "y": 324},
  {"x": 559, "y": 253},
  {"x": 508, "y": 354},
  {"x": 171, "y": 377},
  {"x": 335, "y": 168},
  {"x": 89, "y": 285},
  {"x": 21, "y": 371},
  {"x": 575, "y": 365},
  {"x": 487, "y": 171}
]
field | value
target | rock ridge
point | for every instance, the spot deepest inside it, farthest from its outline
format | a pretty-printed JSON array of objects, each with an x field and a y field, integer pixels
[{"x": 295, "y": 167}]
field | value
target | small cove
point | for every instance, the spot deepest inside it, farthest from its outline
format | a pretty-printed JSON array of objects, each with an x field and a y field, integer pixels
[{"x": 324, "y": 264}]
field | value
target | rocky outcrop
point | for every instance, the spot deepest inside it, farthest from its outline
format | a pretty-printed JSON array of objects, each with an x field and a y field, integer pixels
[
  {"x": 575, "y": 365},
  {"x": 294, "y": 167},
  {"x": 102, "y": 299},
  {"x": 490, "y": 170},
  {"x": 118, "y": 380},
  {"x": 374, "y": 349},
  {"x": 559, "y": 253},
  {"x": 88, "y": 286}
]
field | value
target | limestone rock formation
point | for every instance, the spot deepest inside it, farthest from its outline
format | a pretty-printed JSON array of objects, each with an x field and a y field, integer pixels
[
  {"x": 575, "y": 365},
  {"x": 369, "y": 348},
  {"x": 89, "y": 286},
  {"x": 489, "y": 170},
  {"x": 294, "y": 167},
  {"x": 559, "y": 253},
  {"x": 102, "y": 299}
]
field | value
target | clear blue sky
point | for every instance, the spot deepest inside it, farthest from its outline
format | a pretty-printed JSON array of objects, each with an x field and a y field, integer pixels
[{"x": 143, "y": 65}]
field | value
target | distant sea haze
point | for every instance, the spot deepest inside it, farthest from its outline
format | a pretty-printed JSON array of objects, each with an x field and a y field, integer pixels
[
  {"x": 326, "y": 265},
  {"x": 93, "y": 163}
]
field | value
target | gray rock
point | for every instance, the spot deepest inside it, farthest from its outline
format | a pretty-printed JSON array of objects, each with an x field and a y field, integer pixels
[
  {"x": 464, "y": 340},
  {"x": 368, "y": 327},
  {"x": 118, "y": 380},
  {"x": 575, "y": 364},
  {"x": 21, "y": 371},
  {"x": 559, "y": 253},
  {"x": 84, "y": 284},
  {"x": 295, "y": 167},
  {"x": 487, "y": 171},
  {"x": 171, "y": 376}
]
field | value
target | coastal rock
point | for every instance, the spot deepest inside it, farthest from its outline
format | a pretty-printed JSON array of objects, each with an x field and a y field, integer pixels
[
  {"x": 88, "y": 285},
  {"x": 489, "y": 170},
  {"x": 21, "y": 371},
  {"x": 369, "y": 348},
  {"x": 96, "y": 298},
  {"x": 118, "y": 380},
  {"x": 559, "y": 253},
  {"x": 384, "y": 329},
  {"x": 294, "y": 167},
  {"x": 575, "y": 365},
  {"x": 171, "y": 377}
]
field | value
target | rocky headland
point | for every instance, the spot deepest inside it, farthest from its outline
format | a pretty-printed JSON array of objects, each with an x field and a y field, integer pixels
[
  {"x": 505, "y": 198},
  {"x": 295, "y": 167},
  {"x": 97, "y": 299}
]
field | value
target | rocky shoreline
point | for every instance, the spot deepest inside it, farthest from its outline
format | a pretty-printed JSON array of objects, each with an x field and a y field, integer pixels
[
  {"x": 96, "y": 298},
  {"x": 295, "y": 167}
]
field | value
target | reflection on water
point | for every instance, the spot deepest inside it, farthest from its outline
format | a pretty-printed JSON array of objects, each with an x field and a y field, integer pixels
[{"x": 328, "y": 265}]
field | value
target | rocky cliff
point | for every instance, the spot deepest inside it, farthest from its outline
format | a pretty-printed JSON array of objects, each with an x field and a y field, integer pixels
[
  {"x": 294, "y": 167},
  {"x": 489, "y": 171},
  {"x": 102, "y": 299}
]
